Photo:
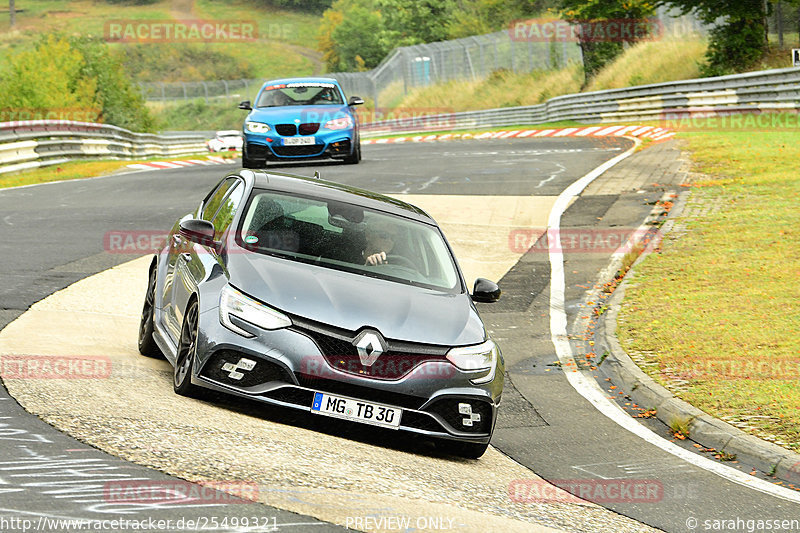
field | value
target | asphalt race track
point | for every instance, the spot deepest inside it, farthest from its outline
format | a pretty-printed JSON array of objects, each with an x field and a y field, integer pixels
[{"x": 55, "y": 235}]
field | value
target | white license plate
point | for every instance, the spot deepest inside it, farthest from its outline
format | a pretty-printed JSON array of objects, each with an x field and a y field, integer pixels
[
  {"x": 356, "y": 410},
  {"x": 294, "y": 141}
]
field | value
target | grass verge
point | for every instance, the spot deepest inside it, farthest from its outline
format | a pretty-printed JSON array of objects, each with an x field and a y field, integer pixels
[
  {"x": 716, "y": 312},
  {"x": 73, "y": 170}
]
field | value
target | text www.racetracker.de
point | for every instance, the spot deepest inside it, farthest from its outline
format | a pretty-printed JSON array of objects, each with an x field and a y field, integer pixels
[{"x": 43, "y": 523}]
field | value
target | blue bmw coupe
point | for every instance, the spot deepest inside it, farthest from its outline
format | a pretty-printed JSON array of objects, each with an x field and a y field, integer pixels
[{"x": 300, "y": 118}]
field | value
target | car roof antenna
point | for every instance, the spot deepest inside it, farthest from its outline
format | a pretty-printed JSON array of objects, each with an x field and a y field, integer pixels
[{"x": 316, "y": 174}]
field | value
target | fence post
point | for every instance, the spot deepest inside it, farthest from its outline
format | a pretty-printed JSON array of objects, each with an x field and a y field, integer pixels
[
  {"x": 226, "y": 88},
  {"x": 205, "y": 90}
]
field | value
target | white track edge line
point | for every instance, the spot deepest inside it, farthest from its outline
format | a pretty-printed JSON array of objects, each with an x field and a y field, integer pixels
[{"x": 588, "y": 388}]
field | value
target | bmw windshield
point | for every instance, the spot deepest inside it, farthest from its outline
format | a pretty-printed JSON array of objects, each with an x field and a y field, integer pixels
[{"x": 349, "y": 238}]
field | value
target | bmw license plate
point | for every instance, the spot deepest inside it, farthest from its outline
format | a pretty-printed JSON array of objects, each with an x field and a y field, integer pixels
[
  {"x": 356, "y": 410},
  {"x": 298, "y": 141}
]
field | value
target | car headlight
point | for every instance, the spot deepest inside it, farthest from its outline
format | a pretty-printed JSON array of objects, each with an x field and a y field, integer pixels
[
  {"x": 474, "y": 358},
  {"x": 257, "y": 127},
  {"x": 340, "y": 123},
  {"x": 233, "y": 303}
]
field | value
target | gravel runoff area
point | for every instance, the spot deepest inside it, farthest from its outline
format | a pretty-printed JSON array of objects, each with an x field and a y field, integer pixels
[{"x": 132, "y": 413}]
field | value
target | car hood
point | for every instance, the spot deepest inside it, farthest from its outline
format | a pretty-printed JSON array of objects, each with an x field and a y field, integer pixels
[
  {"x": 291, "y": 114},
  {"x": 352, "y": 301}
]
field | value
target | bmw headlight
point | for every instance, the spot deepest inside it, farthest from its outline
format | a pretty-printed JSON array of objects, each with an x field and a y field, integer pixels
[
  {"x": 257, "y": 127},
  {"x": 481, "y": 357},
  {"x": 340, "y": 123},
  {"x": 233, "y": 303}
]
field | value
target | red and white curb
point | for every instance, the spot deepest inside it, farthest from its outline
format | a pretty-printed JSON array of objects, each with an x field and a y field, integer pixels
[
  {"x": 160, "y": 165},
  {"x": 642, "y": 132}
]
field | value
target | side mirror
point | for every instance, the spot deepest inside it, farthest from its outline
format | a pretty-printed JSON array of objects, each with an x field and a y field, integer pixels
[
  {"x": 245, "y": 105},
  {"x": 356, "y": 100},
  {"x": 199, "y": 231},
  {"x": 485, "y": 291}
]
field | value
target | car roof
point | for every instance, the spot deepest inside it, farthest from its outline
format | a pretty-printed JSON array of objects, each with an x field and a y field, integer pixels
[
  {"x": 295, "y": 80},
  {"x": 329, "y": 190}
]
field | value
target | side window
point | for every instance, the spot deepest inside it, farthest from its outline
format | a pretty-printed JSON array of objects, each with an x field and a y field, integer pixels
[
  {"x": 213, "y": 203},
  {"x": 224, "y": 217}
]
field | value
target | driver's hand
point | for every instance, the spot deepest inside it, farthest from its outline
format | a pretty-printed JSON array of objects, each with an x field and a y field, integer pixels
[{"x": 377, "y": 259}]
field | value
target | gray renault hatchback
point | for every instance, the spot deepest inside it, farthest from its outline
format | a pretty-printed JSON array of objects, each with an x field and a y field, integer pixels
[{"x": 337, "y": 301}]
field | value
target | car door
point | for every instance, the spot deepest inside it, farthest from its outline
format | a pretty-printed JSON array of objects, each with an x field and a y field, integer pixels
[
  {"x": 196, "y": 260},
  {"x": 178, "y": 245}
]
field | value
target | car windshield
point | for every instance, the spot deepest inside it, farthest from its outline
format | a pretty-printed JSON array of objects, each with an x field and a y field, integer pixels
[
  {"x": 299, "y": 93},
  {"x": 343, "y": 237}
]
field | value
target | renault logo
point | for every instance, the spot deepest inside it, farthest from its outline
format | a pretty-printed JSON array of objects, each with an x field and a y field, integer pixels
[{"x": 370, "y": 346}]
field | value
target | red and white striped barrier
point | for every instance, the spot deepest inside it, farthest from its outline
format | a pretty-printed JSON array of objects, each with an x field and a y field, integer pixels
[
  {"x": 160, "y": 165},
  {"x": 642, "y": 132}
]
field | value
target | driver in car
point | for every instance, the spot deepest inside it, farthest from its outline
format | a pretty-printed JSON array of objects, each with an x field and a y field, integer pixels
[{"x": 381, "y": 239}]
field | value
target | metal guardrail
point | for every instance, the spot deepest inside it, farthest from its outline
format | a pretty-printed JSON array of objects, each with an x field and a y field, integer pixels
[
  {"x": 36, "y": 143},
  {"x": 769, "y": 90}
]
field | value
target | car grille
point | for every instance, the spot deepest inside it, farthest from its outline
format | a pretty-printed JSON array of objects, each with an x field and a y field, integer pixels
[
  {"x": 360, "y": 392},
  {"x": 399, "y": 360},
  {"x": 287, "y": 130},
  {"x": 309, "y": 128},
  {"x": 263, "y": 372},
  {"x": 307, "y": 149}
]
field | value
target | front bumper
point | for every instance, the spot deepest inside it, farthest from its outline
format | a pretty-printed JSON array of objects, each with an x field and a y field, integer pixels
[
  {"x": 290, "y": 368},
  {"x": 271, "y": 146}
]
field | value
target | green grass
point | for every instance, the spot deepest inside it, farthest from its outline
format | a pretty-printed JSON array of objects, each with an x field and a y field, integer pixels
[
  {"x": 717, "y": 310},
  {"x": 286, "y": 44},
  {"x": 80, "y": 170},
  {"x": 65, "y": 171},
  {"x": 197, "y": 115}
]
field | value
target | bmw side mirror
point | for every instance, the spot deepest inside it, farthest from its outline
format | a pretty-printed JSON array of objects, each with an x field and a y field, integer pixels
[
  {"x": 199, "y": 231},
  {"x": 485, "y": 291},
  {"x": 355, "y": 100},
  {"x": 245, "y": 105}
]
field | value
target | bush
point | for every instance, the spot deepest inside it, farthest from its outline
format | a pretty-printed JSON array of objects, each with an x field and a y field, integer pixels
[{"x": 73, "y": 79}]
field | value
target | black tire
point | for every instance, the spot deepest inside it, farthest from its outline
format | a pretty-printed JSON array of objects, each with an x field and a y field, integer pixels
[
  {"x": 187, "y": 348},
  {"x": 467, "y": 450},
  {"x": 355, "y": 157},
  {"x": 147, "y": 344}
]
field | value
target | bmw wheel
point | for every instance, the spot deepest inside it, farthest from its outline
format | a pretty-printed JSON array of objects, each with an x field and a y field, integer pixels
[
  {"x": 187, "y": 348},
  {"x": 147, "y": 344},
  {"x": 356, "y": 155}
]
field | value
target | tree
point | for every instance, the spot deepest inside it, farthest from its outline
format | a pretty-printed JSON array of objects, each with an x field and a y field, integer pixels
[
  {"x": 738, "y": 40},
  {"x": 353, "y": 36},
  {"x": 73, "y": 79},
  {"x": 590, "y": 16}
]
